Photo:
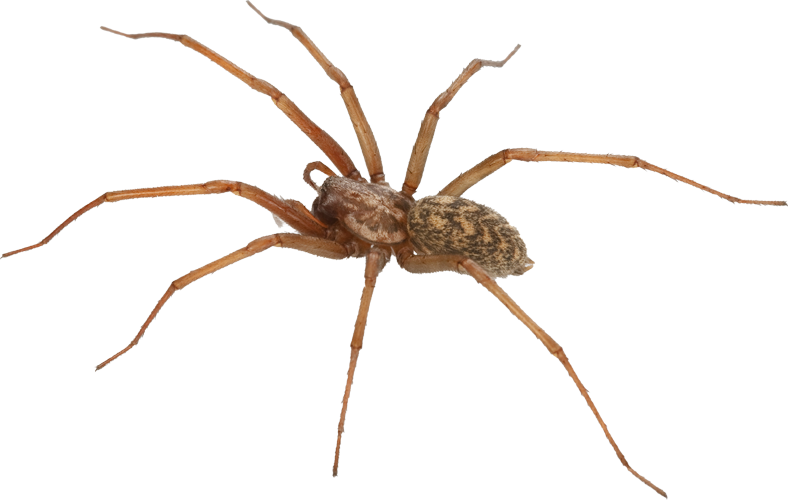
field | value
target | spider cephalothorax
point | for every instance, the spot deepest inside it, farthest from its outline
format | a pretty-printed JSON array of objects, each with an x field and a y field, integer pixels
[
  {"x": 374, "y": 213},
  {"x": 355, "y": 218}
]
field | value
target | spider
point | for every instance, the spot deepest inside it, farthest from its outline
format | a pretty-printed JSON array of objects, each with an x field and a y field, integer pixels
[{"x": 335, "y": 232}]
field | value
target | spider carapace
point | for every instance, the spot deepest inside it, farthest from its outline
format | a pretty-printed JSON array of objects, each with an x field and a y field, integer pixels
[{"x": 352, "y": 217}]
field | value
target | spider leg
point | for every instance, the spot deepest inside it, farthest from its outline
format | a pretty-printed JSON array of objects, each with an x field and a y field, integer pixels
[
  {"x": 309, "y": 244},
  {"x": 366, "y": 139},
  {"x": 290, "y": 211},
  {"x": 418, "y": 158},
  {"x": 467, "y": 179},
  {"x": 435, "y": 263},
  {"x": 315, "y": 165},
  {"x": 376, "y": 259},
  {"x": 325, "y": 142}
]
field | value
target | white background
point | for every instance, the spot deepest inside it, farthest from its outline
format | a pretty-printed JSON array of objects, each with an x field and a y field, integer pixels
[{"x": 670, "y": 302}]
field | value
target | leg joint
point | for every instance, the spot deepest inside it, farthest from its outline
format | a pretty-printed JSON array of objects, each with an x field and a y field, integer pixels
[{"x": 220, "y": 186}]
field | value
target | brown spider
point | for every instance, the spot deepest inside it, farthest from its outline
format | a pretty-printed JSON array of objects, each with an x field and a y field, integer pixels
[{"x": 373, "y": 225}]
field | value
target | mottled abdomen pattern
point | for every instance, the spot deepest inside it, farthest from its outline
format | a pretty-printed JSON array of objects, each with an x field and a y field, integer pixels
[{"x": 448, "y": 225}]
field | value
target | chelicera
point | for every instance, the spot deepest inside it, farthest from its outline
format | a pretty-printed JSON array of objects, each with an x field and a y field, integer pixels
[{"x": 353, "y": 217}]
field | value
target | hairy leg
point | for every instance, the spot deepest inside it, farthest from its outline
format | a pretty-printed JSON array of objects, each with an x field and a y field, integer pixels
[
  {"x": 467, "y": 179},
  {"x": 376, "y": 259},
  {"x": 309, "y": 244},
  {"x": 418, "y": 157},
  {"x": 366, "y": 139},
  {"x": 325, "y": 142},
  {"x": 290, "y": 211},
  {"x": 435, "y": 263}
]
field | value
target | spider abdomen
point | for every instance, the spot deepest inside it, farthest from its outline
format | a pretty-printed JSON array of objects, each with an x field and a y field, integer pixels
[{"x": 448, "y": 225}]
